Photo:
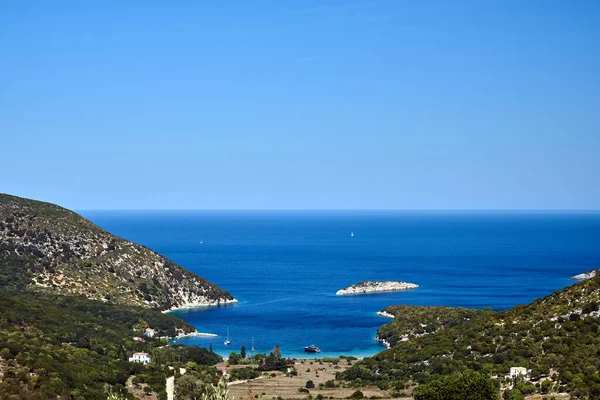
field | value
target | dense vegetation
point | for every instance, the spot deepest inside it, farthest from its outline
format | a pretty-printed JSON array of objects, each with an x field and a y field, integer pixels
[
  {"x": 415, "y": 321},
  {"x": 196, "y": 363},
  {"x": 459, "y": 386},
  {"x": 557, "y": 337},
  {"x": 56, "y": 345}
]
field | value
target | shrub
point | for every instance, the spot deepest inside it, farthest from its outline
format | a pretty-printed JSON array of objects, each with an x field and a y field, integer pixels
[{"x": 462, "y": 386}]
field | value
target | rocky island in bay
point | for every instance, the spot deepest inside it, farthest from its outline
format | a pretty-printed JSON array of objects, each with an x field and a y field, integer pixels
[{"x": 375, "y": 287}]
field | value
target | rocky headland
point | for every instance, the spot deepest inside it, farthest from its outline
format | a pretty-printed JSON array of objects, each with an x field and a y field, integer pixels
[{"x": 44, "y": 247}]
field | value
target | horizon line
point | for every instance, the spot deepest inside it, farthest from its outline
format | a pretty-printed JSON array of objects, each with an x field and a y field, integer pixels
[{"x": 520, "y": 210}]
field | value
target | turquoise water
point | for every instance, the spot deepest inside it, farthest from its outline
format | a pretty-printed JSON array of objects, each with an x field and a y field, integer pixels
[{"x": 285, "y": 267}]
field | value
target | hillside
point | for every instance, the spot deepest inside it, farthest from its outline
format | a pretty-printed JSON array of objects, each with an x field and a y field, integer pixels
[
  {"x": 76, "y": 348},
  {"x": 48, "y": 248},
  {"x": 556, "y": 337},
  {"x": 411, "y": 322}
]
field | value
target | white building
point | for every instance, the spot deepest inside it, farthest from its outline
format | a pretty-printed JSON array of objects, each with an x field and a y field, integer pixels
[
  {"x": 149, "y": 332},
  {"x": 516, "y": 371},
  {"x": 140, "y": 357}
]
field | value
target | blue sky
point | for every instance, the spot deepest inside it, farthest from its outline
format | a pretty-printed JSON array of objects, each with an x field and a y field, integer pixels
[{"x": 316, "y": 104}]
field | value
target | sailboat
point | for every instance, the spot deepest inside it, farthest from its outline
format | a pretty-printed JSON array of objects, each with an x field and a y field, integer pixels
[
  {"x": 352, "y": 234},
  {"x": 252, "y": 348},
  {"x": 227, "y": 341},
  {"x": 200, "y": 241}
]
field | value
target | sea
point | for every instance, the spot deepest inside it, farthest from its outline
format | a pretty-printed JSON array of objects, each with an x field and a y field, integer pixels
[{"x": 284, "y": 267}]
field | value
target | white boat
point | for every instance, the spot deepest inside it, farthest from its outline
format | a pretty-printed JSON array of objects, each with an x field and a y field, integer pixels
[
  {"x": 200, "y": 241},
  {"x": 312, "y": 349},
  {"x": 227, "y": 341},
  {"x": 252, "y": 348},
  {"x": 352, "y": 234}
]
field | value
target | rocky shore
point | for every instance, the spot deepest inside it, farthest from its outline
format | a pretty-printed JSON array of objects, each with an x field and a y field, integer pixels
[
  {"x": 374, "y": 287},
  {"x": 182, "y": 335},
  {"x": 385, "y": 314},
  {"x": 201, "y": 302},
  {"x": 383, "y": 341},
  {"x": 586, "y": 275}
]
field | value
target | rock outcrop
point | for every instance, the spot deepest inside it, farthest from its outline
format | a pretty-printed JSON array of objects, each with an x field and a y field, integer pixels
[{"x": 586, "y": 275}]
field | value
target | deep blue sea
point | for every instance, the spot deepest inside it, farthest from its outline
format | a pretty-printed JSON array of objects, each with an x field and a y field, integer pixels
[{"x": 285, "y": 266}]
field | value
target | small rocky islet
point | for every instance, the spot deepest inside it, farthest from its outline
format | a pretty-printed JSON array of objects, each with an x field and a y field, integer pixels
[{"x": 376, "y": 287}]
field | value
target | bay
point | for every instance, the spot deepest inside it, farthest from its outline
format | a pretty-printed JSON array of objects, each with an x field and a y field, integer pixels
[{"x": 284, "y": 267}]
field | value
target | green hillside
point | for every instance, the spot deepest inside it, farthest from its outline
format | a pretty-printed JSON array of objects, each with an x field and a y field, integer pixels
[
  {"x": 72, "y": 298},
  {"x": 556, "y": 337}
]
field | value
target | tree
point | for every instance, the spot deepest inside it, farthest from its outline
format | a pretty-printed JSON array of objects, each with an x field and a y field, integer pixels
[
  {"x": 189, "y": 386},
  {"x": 140, "y": 325},
  {"x": 234, "y": 358},
  {"x": 468, "y": 385},
  {"x": 310, "y": 385},
  {"x": 243, "y": 351},
  {"x": 513, "y": 394},
  {"x": 276, "y": 351}
]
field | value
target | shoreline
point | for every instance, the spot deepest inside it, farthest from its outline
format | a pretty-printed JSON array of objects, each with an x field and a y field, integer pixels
[
  {"x": 383, "y": 341},
  {"x": 385, "y": 314},
  {"x": 299, "y": 355},
  {"x": 193, "y": 334},
  {"x": 191, "y": 306}
]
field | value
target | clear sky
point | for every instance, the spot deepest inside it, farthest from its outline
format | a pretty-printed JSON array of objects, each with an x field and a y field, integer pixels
[{"x": 326, "y": 104}]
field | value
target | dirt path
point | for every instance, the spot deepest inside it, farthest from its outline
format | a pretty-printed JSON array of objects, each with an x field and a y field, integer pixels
[{"x": 170, "y": 387}]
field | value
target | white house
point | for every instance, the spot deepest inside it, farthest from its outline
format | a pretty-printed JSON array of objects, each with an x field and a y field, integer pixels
[
  {"x": 140, "y": 357},
  {"x": 516, "y": 371},
  {"x": 149, "y": 332}
]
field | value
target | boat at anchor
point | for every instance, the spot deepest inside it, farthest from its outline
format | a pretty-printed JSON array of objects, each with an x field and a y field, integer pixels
[{"x": 312, "y": 349}]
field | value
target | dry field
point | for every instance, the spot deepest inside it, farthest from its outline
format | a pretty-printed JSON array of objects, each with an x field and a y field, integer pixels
[{"x": 287, "y": 387}]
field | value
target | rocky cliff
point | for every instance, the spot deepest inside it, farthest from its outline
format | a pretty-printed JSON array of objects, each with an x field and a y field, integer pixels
[{"x": 49, "y": 248}]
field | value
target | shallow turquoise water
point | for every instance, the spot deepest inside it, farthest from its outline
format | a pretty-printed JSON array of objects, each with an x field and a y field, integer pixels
[{"x": 285, "y": 267}]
